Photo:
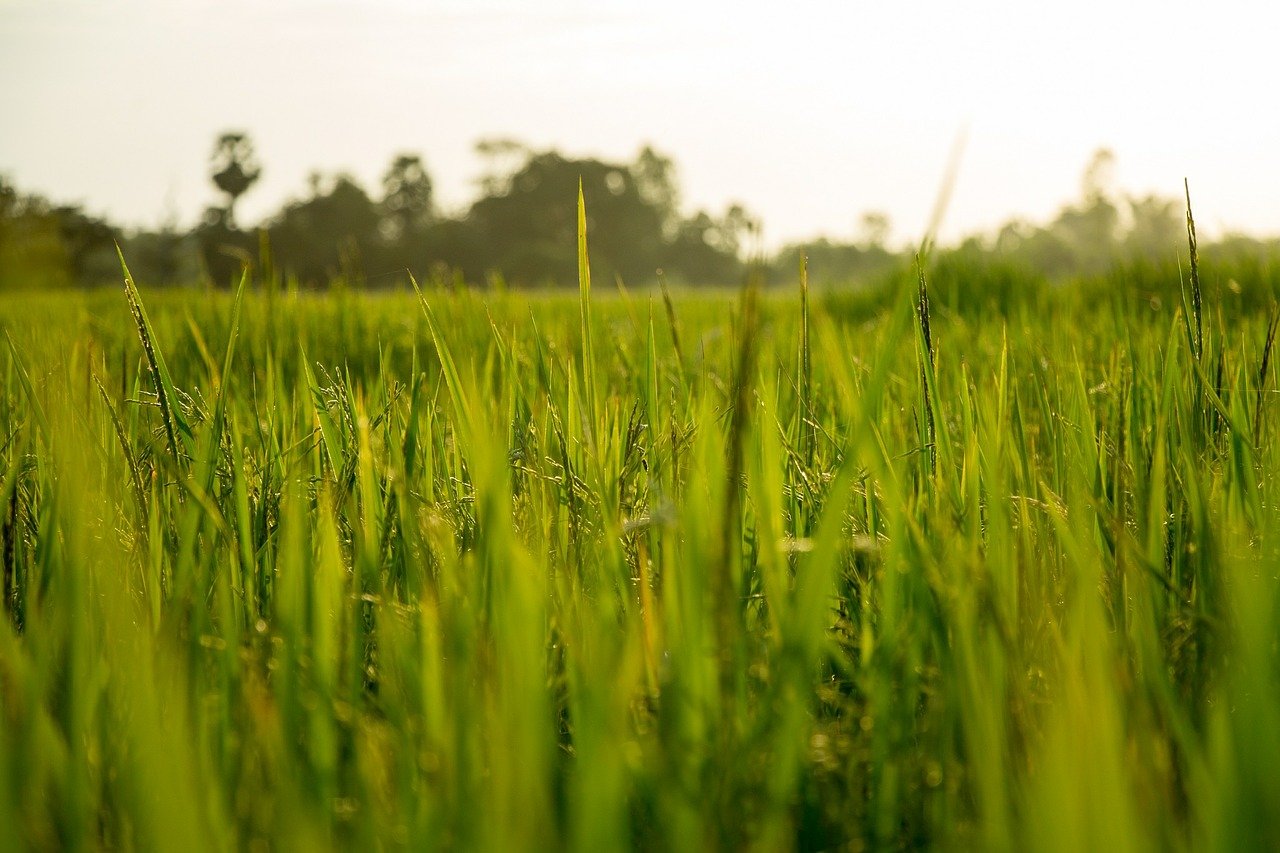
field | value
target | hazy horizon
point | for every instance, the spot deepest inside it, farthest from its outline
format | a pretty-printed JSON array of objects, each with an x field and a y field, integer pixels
[{"x": 809, "y": 119}]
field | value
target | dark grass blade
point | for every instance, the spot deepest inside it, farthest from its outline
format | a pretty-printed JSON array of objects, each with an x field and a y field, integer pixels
[
  {"x": 1197, "y": 305},
  {"x": 24, "y": 379},
  {"x": 177, "y": 430},
  {"x": 1263, "y": 370}
]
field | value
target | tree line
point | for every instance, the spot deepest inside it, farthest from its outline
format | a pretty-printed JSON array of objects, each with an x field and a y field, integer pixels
[{"x": 520, "y": 231}]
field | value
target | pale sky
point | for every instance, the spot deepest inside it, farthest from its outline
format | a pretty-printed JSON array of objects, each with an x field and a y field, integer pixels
[{"x": 809, "y": 113}]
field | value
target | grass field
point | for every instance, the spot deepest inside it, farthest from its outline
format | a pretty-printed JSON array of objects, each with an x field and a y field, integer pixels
[{"x": 725, "y": 571}]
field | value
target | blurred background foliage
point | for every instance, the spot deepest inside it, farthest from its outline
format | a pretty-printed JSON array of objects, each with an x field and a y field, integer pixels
[{"x": 519, "y": 233}]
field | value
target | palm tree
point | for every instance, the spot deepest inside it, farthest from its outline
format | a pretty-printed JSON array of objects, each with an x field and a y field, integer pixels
[{"x": 235, "y": 168}]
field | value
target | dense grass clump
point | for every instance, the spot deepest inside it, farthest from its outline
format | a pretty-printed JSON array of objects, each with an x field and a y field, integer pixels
[{"x": 290, "y": 572}]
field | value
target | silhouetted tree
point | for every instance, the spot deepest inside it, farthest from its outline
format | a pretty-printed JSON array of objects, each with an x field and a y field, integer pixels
[
  {"x": 1090, "y": 230},
  {"x": 529, "y": 226},
  {"x": 8, "y": 199},
  {"x": 90, "y": 244},
  {"x": 406, "y": 198},
  {"x": 502, "y": 158},
  {"x": 235, "y": 169},
  {"x": 873, "y": 229},
  {"x": 33, "y": 255},
  {"x": 328, "y": 235},
  {"x": 164, "y": 257},
  {"x": 44, "y": 245},
  {"x": 1155, "y": 227},
  {"x": 655, "y": 177},
  {"x": 1085, "y": 237},
  {"x": 406, "y": 217},
  {"x": 224, "y": 251},
  {"x": 702, "y": 253}
]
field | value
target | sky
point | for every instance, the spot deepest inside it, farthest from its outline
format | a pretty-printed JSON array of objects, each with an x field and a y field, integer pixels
[{"x": 808, "y": 113}]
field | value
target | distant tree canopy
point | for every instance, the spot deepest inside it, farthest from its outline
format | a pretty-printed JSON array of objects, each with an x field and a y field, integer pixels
[
  {"x": 1087, "y": 237},
  {"x": 52, "y": 246},
  {"x": 235, "y": 169},
  {"x": 521, "y": 231},
  {"x": 328, "y": 235},
  {"x": 528, "y": 228},
  {"x": 406, "y": 198}
]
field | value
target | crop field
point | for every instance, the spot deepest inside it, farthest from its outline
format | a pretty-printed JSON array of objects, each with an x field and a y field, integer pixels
[{"x": 732, "y": 570}]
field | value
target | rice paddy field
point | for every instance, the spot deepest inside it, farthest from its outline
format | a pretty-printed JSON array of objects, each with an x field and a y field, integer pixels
[{"x": 638, "y": 570}]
